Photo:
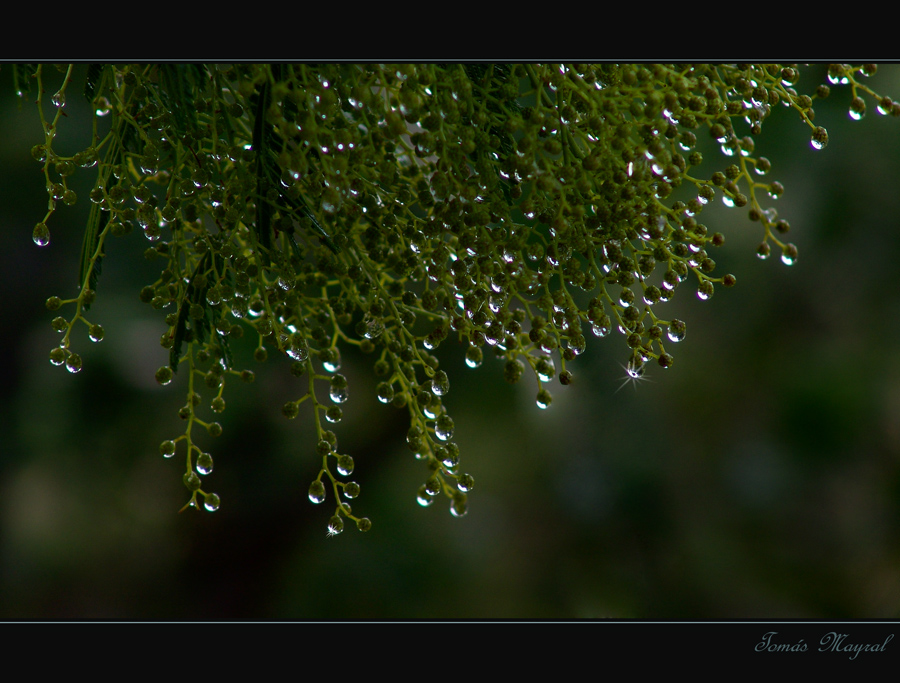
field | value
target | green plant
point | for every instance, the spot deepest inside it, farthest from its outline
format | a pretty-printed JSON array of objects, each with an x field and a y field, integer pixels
[{"x": 519, "y": 209}]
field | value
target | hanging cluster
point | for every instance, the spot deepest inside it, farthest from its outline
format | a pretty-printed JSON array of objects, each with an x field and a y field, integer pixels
[{"x": 518, "y": 209}]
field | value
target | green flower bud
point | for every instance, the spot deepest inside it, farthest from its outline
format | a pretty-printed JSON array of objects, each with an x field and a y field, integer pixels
[
  {"x": 512, "y": 371},
  {"x": 192, "y": 481}
]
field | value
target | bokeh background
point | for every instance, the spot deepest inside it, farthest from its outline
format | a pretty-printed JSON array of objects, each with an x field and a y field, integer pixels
[{"x": 758, "y": 477}]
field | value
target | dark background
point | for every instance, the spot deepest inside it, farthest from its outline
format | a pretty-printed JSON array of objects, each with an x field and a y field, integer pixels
[{"x": 756, "y": 478}]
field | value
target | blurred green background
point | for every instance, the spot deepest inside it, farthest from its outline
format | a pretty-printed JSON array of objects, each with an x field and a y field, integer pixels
[{"x": 756, "y": 478}]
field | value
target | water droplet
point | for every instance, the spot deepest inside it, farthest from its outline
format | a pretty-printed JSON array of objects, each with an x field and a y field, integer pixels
[
  {"x": 465, "y": 482},
  {"x": 345, "y": 465},
  {"x": 102, "y": 106},
  {"x": 96, "y": 333},
  {"x": 58, "y": 355},
  {"x": 385, "y": 392},
  {"x": 204, "y": 463},
  {"x": 339, "y": 394},
  {"x": 59, "y": 99},
  {"x": 317, "y": 492},
  {"x": 601, "y": 330},
  {"x": 440, "y": 385},
  {"x": 164, "y": 375},
  {"x": 374, "y": 327},
  {"x": 546, "y": 369},
  {"x": 443, "y": 428},
  {"x": 459, "y": 507},
  {"x": 677, "y": 330},
  {"x": 41, "y": 235},
  {"x": 635, "y": 368},
  {"x": 299, "y": 349},
  {"x": 789, "y": 254},
  {"x": 335, "y": 526},
  {"x": 423, "y": 498},
  {"x": 577, "y": 344},
  {"x": 819, "y": 138},
  {"x": 474, "y": 357},
  {"x": 211, "y": 502},
  {"x": 73, "y": 362},
  {"x": 727, "y": 201}
]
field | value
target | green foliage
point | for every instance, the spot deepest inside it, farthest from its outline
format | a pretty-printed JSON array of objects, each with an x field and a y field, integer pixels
[{"x": 517, "y": 209}]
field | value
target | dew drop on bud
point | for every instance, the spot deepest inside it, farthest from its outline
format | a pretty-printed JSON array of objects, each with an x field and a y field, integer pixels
[
  {"x": 345, "y": 465},
  {"x": 819, "y": 138},
  {"x": 465, "y": 483},
  {"x": 385, "y": 392},
  {"x": 41, "y": 235},
  {"x": 789, "y": 254},
  {"x": 543, "y": 399},
  {"x": 601, "y": 330},
  {"x": 443, "y": 428},
  {"x": 459, "y": 507},
  {"x": 338, "y": 394},
  {"x": 440, "y": 385},
  {"x": 677, "y": 330},
  {"x": 204, "y": 463},
  {"x": 102, "y": 107},
  {"x": 211, "y": 502},
  {"x": 317, "y": 492},
  {"x": 423, "y": 497},
  {"x": 373, "y": 327},
  {"x": 73, "y": 363},
  {"x": 335, "y": 525},
  {"x": 58, "y": 355}
]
